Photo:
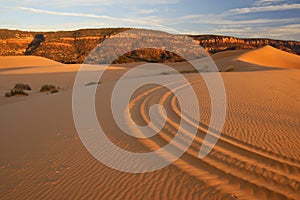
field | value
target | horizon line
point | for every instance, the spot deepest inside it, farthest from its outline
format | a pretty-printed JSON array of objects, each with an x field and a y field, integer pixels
[{"x": 95, "y": 28}]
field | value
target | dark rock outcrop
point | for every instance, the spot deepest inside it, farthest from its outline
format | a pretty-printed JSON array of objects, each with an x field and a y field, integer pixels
[{"x": 38, "y": 39}]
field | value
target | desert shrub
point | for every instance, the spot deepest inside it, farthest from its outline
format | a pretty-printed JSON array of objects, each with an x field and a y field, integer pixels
[
  {"x": 50, "y": 88},
  {"x": 14, "y": 92},
  {"x": 189, "y": 71},
  {"x": 92, "y": 83},
  {"x": 18, "y": 90},
  {"x": 229, "y": 69},
  {"x": 8, "y": 94},
  {"x": 180, "y": 72},
  {"x": 54, "y": 91},
  {"x": 22, "y": 86}
]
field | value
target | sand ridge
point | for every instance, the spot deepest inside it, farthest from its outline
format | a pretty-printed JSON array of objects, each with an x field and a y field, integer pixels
[
  {"x": 25, "y": 61},
  {"x": 272, "y": 57}
]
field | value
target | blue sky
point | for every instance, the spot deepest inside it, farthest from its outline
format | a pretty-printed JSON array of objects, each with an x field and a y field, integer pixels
[{"x": 279, "y": 19}]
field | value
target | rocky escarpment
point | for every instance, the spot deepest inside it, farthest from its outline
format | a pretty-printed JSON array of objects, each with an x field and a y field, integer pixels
[
  {"x": 61, "y": 46},
  {"x": 215, "y": 43},
  {"x": 74, "y": 46}
]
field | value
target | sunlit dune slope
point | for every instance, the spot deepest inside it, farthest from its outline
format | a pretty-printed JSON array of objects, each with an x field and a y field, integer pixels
[
  {"x": 25, "y": 61},
  {"x": 272, "y": 57}
]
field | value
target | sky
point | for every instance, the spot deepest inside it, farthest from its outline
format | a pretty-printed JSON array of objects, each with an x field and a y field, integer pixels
[{"x": 277, "y": 19}]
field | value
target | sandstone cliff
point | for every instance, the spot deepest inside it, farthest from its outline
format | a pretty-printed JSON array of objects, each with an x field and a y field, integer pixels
[
  {"x": 215, "y": 43},
  {"x": 74, "y": 46}
]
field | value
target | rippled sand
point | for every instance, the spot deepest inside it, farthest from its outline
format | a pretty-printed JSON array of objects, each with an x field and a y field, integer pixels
[{"x": 256, "y": 157}]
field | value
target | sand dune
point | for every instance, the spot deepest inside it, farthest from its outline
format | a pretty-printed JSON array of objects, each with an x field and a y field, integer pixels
[
  {"x": 257, "y": 156},
  {"x": 39, "y": 65},
  {"x": 265, "y": 58},
  {"x": 25, "y": 61},
  {"x": 272, "y": 57}
]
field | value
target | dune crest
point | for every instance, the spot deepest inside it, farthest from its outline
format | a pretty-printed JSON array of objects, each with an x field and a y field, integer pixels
[
  {"x": 25, "y": 61},
  {"x": 271, "y": 57}
]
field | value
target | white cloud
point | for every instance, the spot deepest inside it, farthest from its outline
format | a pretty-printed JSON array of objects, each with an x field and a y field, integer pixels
[
  {"x": 87, "y": 15},
  {"x": 263, "y": 9},
  {"x": 219, "y": 20},
  {"x": 146, "y": 22},
  {"x": 283, "y": 32},
  {"x": 222, "y": 18},
  {"x": 146, "y": 12},
  {"x": 227, "y": 24},
  {"x": 266, "y": 2},
  {"x": 68, "y": 3},
  {"x": 49, "y": 12},
  {"x": 188, "y": 17},
  {"x": 232, "y": 22}
]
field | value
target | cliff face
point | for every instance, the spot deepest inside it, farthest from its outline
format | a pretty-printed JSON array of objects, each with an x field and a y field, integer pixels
[
  {"x": 213, "y": 43},
  {"x": 74, "y": 46},
  {"x": 61, "y": 46}
]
